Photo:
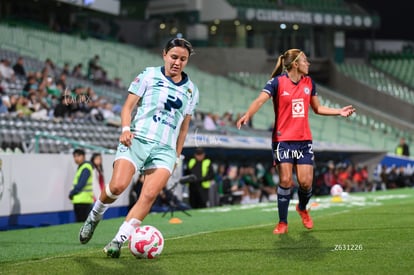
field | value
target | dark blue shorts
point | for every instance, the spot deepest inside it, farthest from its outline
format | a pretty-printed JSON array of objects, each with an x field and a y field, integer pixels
[{"x": 295, "y": 152}]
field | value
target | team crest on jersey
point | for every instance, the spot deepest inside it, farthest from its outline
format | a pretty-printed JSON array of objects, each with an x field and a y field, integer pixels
[
  {"x": 189, "y": 91},
  {"x": 306, "y": 90}
]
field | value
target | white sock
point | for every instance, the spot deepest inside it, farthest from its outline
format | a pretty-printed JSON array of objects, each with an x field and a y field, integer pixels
[
  {"x": 126, "y": 229},
  {"x": 98, "y": 210},
  {"x": 134, "y": 222}
]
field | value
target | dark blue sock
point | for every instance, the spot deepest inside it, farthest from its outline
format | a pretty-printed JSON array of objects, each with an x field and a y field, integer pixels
[
  {"x": 304, "y": 197},
  {"x": 283, "y": 199}
]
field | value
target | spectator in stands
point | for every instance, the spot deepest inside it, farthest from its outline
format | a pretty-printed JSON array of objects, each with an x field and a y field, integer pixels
[
  {"x": 12, "y": 104},
  {"x": 269, "y": 184},
  {"x": 93, "y": 66},
  {"x": 31, "y": 85},
  {"x": 18, "y": 68},
  {"x": 250, "y": 185},
  {"x": 49, "y": 68},
  {"x": 392, "y": 176},
  {"x": 81, "y": 194},
  {"x": 223, "y": 183},
  {"x": 66, "y": 69},
  {"x": 209, "y": 122},
  {"x": 200, "y": 166},
  {"x": 329, "y": 178},
  {"x": 150, "y": 142},
  {"x": 63, "y": 108},
  {"x": 22, "y": 107},
  {"x": 402, "y": 179},
  {"x": 382, "y": 180},
  {"x": 117, "y": 82},
  {"x": 293, "y": 92},
  {"x": 77, "y": 71},
  {"x": 345, "y": 177},
  {"x": 6, "y": 72},
  {"x": 98, "y": 175},
  {"x": 3, "y": 103},
  {"x": 402, "y": 148},
  {"x": 225, "y": 120},
  {"x": 38, "y": 107},
  {"x": 62, "y": 82}
]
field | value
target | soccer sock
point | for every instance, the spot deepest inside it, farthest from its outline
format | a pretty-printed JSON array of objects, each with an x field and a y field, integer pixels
[
  {"x": 304, "y": 197},
  {"x": 98, "y": 210},
  {"x": 126, "y": 229},
  {"x": 283, "y": 199}
]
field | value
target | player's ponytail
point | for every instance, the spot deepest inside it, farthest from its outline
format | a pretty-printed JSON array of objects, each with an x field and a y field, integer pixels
[{"x": 279, "y": 66}]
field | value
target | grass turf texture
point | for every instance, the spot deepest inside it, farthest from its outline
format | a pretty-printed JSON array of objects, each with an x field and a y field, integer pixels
[{"x": 370, "y": 233}]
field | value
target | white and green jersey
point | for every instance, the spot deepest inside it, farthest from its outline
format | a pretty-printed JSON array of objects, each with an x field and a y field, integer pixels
[{"x": 162, "y": 106}]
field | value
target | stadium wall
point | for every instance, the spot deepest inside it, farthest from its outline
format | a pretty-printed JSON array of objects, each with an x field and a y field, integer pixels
[{"x": 34, "y": 190}]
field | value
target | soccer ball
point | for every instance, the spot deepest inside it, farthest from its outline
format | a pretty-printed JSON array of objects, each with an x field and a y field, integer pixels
[
  {"x": 146, "y": 242},
  {"x": 336, "y": 190}
]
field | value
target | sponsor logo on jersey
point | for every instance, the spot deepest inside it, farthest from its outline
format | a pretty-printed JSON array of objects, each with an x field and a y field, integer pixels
[
  {"x": 298, "y": 108},
  {"x": 160, "y": 84}
]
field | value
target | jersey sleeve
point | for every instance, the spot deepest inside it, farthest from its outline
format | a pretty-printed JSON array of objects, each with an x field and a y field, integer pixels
[
  {"x": 138, "y": 85},
  {"x": 271, "y": 86},
  {"x": 192, "y": 104},
  {"x": 314, "y": 92}
]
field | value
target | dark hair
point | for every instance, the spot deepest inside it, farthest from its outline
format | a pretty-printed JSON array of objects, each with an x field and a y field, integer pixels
[
  {"x": 179, "y": 42},
  {"x": 79, "y": 152},
  {"x": 93, "y": 157},
  {"x": 284, "y": 62}
]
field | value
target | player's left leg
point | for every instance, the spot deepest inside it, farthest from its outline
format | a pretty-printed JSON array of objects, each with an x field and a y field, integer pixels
[{"x": 305, "y": 179}]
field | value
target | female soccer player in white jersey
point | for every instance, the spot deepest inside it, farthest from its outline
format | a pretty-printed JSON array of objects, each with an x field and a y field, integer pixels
[
  {"x": 151, "y": 142},
  {"x": 292, "y": 92}
]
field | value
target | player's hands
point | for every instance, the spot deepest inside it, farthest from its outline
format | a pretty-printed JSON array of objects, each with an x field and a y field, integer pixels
[
  {"x": 347, "y": 111},
  {"x": 242, "y": 121},
  {"x": 126, "y": 138}
]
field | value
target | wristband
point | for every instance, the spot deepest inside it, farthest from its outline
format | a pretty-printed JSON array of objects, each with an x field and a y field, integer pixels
[
  {"x": 126, "y": 128},
  {"x": 177, "y": 160}
]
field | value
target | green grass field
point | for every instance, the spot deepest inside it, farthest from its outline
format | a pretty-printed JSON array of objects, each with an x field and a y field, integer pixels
[{"x": 369, "y": 233}]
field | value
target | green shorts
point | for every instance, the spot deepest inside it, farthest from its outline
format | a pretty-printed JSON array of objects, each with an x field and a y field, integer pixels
[{"x": 145, "y": 154}]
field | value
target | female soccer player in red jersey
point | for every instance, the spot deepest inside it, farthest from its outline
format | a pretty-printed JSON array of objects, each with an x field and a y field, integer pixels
[{"x": 292, "y": 92}]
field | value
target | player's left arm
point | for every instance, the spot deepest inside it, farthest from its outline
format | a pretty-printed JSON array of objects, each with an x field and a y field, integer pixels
[
  {"x": 327, "y": 111},
  {"x": 185, "y": 125}
]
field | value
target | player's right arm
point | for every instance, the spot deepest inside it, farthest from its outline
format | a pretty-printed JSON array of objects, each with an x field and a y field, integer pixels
[
  {"x": 254, "y": 107},
  {"x": 126, "y": 113}
]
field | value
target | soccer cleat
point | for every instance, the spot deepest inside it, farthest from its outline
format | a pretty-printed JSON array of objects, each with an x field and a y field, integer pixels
[
  {"x": 281, "y": 228},
  {"x": 87, "y": 229},
  {"x": 113, "y": 249},
  {"x": 306, "y": 219}
]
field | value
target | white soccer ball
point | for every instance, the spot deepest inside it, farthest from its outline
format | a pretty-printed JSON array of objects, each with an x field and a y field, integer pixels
[
  {"x": 146, "y": 242},
  {"x": 337, "y": 190}
]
